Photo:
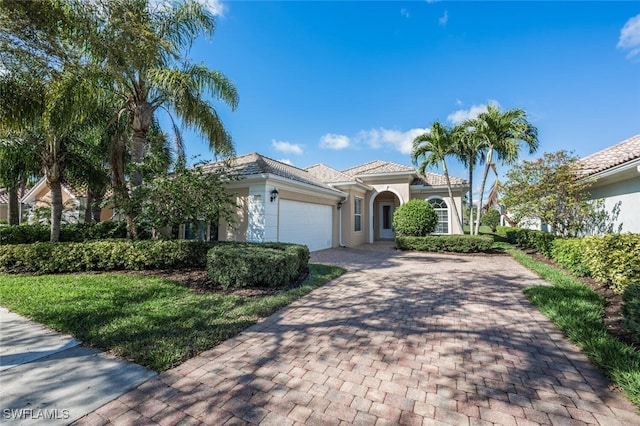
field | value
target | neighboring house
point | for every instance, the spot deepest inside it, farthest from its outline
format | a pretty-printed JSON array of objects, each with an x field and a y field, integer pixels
[
  {"x": 74, "y": 201},
  {"x": 616, "y": 171},
  {"x": 322, "y": 207}
]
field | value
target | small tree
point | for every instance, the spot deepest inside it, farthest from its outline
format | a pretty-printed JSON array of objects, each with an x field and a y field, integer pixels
[
  {"x": 491, "y": 219},
  {"x": 552, "y": 190},
  {"x": 415, "y": 218}
]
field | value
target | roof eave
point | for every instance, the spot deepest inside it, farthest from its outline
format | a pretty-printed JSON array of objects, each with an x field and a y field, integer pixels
[{"x": 635, "y": 163}]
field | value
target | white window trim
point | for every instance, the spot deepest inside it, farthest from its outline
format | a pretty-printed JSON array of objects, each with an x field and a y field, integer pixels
[
  {"x": 449, "y": 228},
  {"x": 355, "y": 199}
]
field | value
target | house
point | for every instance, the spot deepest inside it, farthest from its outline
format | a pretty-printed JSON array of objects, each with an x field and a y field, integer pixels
[
  {"x": 616, "y": 174},
  {"x": 37, "y": 204},
  {"x": 322, "y": 207}
]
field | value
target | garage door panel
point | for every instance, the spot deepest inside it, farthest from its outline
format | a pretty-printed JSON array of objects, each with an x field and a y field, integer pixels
[{"x": 306, "y": 223}]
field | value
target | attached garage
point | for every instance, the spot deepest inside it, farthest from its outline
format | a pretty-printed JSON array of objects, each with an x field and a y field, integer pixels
[{"x": 305, "y": 223}]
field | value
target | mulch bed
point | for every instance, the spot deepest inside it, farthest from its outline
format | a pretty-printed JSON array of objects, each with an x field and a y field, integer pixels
[
  {"x": 612, "y": 316},
  {"x": 198, "y": 280}
]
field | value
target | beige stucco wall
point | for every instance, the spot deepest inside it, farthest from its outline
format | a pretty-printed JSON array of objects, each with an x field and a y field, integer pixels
[
  {"x": 350, "y": 237},
  {"x": 627, "y": 193},
  {"x": 238, "y": 230},
  {"x": 4, "y": 212}
]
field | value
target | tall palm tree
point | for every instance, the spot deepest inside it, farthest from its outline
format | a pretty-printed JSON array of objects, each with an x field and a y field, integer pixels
[
  {"x": 502, "y": 134},
  {"x": 470, "y": 152},
  {"x": 431, "y": 150}
]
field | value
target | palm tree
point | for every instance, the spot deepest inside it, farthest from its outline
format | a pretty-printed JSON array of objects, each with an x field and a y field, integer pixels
[
  {"x": 141, "y": 48},
  {"x": 433, "y": 147},
  {"x": 502, "y": 134},
  {"x": 19, "y": 162},
  {"x": 470, "y": 152}
]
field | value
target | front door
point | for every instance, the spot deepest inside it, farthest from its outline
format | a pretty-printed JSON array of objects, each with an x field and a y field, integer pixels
[{"x": 386, "y": 220}]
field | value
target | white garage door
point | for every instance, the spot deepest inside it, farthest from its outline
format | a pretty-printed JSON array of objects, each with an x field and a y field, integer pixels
[{"x": 306, "y": 223}]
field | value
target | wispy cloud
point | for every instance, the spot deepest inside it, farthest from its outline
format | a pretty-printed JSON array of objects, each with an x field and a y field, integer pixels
[
  {"x": 286, "y": 147},
  {"x": 334, "y": 141},
  {"x": 444, "y": 19},
  {"x": 630, "y": 37},
  {"x": 386, "y": 138},
  {"x": 466, "y": 114},
  {"x": 404, "y": 12},
  {"x": 286, "y": 161},
  {"x": 216, "y": 7}
]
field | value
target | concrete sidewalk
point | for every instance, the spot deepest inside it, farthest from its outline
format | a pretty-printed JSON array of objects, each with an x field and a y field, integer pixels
[
  {"x": 401, "y": 338},
  {"x": 49, "y": 378}
]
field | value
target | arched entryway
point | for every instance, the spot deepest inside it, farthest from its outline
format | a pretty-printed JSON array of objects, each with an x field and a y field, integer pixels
[{"x": 382, "y": 205}]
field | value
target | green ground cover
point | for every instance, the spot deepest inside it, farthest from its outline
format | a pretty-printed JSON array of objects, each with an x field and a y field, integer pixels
[
  {"x": 152, "y": 321},
  {"x": 576, "y": 309}
]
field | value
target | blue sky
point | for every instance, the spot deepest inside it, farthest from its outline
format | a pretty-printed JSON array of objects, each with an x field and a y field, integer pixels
[{"x": 347, "y": 82}]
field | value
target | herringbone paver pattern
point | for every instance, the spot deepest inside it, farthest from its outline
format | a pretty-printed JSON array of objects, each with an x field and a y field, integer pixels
[{"x": 402, "y": 338}]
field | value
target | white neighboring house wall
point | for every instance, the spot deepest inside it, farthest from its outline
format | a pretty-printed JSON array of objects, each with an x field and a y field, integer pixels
[{"x": 620, "y": 185}]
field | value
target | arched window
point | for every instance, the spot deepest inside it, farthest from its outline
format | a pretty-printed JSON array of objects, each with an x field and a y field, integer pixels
[{"x": 442, "y": 211}]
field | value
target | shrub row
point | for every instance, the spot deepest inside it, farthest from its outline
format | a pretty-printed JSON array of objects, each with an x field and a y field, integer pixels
[
  {"x": 446, "y": 243},
  {"x": 631, "y": 309},
  {"x": 240, "y": 265},
  {"x": 73, "y": 232},
  {"x": 102, "y": 255},
  {"x": 528, "y": 238}
]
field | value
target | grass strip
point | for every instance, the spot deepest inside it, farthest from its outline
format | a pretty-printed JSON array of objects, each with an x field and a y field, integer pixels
[
  {"x": 576, "y": 310},
  {"x": 151, "y": 321}
]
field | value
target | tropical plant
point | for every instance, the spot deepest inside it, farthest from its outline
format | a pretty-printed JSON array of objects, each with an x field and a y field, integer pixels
[
  {"x": 551, "y": 189},
  {"x": 141, "y": 48},
  {"x": 502, "y": 134},
  {"x": 431, "y": 149},
  {"x": 469, "y": 151},
  {"x": 19, "y": 161}
]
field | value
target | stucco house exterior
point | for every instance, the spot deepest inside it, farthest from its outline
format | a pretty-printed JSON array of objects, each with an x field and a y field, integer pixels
[
  {"x": 322, "y": 207},
  {"x": 616, "y": 172},
  {"x": 4, "y": 205},
  {"x": 73, "y": 202}
]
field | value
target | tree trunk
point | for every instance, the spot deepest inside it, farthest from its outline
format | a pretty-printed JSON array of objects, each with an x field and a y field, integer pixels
[
  {"x": 453, "y": 201},
  {"x": 484, "y": 181},
  {"x": 96, "y": 210},
  {"x": 88, "y": 208},
  {"x": 470, "y": 197},
  {"x": 56, "y": 209},
  {"x": 14, "y": 205}
]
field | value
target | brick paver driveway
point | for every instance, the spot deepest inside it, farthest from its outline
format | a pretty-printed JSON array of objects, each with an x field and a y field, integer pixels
[{"x": 401, "y": 338}]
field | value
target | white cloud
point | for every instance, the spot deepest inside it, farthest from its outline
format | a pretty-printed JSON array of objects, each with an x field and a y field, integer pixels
[
  {"x": 396, "y": 139},
  {"x": 444, "y": 18},
  {"x": 630, "y": 37},
  {"x": 286, "y": 161},
  {"x": 286, "y": 147},
  {"x": 404, "y": 12},
  {"x": 334, "y": 141},
  {"x": 466, "y": 114}
]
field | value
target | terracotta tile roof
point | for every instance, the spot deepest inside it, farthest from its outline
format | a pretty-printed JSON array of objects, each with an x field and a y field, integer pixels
[
  {"x": 434, "y": 179},
  {"x": 4, "y": 196},
  {"x": 378, "y": 166},
  {"x": 256, "y": 164},
  {"x": 328, "y": 174},
  {"x": 615, "y": 155}
]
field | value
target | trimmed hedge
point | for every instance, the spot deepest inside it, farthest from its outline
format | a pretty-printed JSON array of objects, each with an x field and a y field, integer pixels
[
  {"x": 415, "y": 218},
  {"x": 72, "y": 232},
  {"x": 569, "y": 252},
  {"x": 241, "y": 265},
  {"x": 631, "y": 309},
  {"x": 614, "y": 259},
  {"x": 105, "y": 255},
  {"x": 446, "y": 243},
  {"x": 529, "y": 238}
]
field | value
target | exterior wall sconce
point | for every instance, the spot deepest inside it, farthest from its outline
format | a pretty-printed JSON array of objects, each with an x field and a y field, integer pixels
[{"x": 274, "y": 195}]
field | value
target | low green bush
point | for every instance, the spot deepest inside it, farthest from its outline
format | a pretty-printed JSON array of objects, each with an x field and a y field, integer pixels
[
  {"x": 569, "y": 252},
  {"x": 240, "y": 265},
  {"x": 415, "y": 218},
  {"x": 72, "y": 232},
  {"x": 529, "y": 238},
  {"x": 502, "y": 230},
  {"x": 446, "y": 243},
  {"x": 104, "y": 255},
  {"x": 613, "y": 259},
  {"x": 631, "y": 309}
]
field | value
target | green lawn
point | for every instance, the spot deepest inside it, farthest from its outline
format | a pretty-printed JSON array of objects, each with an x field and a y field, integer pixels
[
  {"x": 576, "y": 310},
  {"x": 151, "y": 321}
]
